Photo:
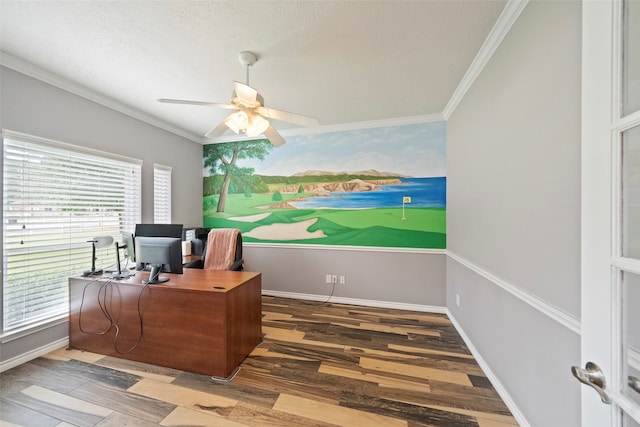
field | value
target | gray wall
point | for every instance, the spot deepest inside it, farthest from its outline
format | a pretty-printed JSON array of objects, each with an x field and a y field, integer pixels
[
  {"x": 376, "y": 277},
  {"x": 33, "y": 107},
  {"x": 513, "y": 214}
]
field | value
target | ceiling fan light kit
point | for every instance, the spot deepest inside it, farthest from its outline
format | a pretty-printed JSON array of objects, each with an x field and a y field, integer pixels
[
  {"x": 250, "y": 117},
  {"x": 237, "y": 121},
  {"x": 257, "y": 125},
  {"x": 247, "y": 123}
]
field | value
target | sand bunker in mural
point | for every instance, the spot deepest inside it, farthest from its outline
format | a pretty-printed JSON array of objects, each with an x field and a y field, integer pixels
[
  {"x": 250, "y": 218},
  {"x": 295, "y": 231}
]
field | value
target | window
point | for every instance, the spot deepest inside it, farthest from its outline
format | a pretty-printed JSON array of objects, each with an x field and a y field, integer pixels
[
  {"x": 56, "y": 198},
  {"x": 161, "y": 194}
]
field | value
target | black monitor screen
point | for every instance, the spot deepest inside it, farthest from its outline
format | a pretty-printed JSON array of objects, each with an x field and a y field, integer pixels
[
  {"x": 162, "y": 254},
  {"x": 159, "y": 230}
]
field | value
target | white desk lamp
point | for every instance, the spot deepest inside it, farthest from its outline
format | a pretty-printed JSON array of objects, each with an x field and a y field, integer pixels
[{"x": 97, "y": 243}]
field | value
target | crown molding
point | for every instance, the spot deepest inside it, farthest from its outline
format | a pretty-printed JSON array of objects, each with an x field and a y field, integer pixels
[
  {"x": 31, "y": 70},
  {"x": 397, "y": 121},
  {"x": 503, "y": 25}
]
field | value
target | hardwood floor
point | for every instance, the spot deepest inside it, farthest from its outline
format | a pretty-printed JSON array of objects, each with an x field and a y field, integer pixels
[{"x": 319, "y": 365}]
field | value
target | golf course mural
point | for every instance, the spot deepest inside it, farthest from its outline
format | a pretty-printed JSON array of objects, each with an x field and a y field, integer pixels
[{"x": 374, "y": 187}]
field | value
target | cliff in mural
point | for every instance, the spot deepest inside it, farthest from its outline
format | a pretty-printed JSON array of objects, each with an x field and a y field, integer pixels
[{"x": 323, "y": 189}]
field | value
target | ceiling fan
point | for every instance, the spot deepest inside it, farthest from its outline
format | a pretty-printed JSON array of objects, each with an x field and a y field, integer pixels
[{"x": 251, "y": 116}]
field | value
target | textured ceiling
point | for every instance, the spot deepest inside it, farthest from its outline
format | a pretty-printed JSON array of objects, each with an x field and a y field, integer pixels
[{"x": 338, "y": 61}]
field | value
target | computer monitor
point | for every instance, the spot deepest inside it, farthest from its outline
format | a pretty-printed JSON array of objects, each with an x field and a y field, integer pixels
[
  {"x": 162, "y": 254},
  {"x": 129, "y": 246},
  {"x": 159, "y": 230}
]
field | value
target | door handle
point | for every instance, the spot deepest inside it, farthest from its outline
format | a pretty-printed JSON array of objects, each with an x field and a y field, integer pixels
[
  {"x": 592, "y": 376},
  {"x": 634, "y": 383}
]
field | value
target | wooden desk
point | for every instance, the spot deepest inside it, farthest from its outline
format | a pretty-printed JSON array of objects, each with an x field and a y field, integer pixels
[{"x": 201, "y": 321}]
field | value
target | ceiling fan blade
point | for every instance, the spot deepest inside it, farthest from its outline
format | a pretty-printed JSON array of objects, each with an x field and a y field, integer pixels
[
  {"x": 288, "y": 117},
  {"x": 246, "y": 95},
  {"x": 205, "y": 103},
  {"x": 274, "y": 137},
  {"x": 216, "y": 131}
]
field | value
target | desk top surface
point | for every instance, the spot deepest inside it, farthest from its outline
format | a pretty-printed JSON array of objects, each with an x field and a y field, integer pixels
[{"x": 192, "y": 279}]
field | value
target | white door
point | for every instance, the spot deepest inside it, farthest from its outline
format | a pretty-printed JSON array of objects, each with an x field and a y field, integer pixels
[{"x": 610, "y": 213}]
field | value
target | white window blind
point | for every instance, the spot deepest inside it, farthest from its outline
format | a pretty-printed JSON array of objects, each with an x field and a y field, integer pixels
[
  {"x": 56, "y": 198},
  {"x": 161, "y": 194}
]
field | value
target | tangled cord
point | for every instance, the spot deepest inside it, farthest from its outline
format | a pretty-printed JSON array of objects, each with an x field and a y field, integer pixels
[{"x": 102, "y": 303}]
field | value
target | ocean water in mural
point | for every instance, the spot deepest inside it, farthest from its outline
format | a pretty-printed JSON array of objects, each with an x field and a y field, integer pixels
[{"x": 424, "y": 193}]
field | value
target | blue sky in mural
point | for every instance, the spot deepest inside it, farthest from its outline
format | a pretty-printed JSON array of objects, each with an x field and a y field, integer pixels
[{"x": 417, "y": 150}]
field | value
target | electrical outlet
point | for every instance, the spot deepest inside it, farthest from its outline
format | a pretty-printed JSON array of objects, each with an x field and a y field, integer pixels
[
  {"x": 458, "y": 300},
  {"x": 327, "y": 278},
  {"x": 342, "y": 280},
  {"x": 334, "y": 279}
]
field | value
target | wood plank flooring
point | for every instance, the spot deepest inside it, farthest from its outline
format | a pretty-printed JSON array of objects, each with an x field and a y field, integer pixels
[{"x": 320, "y": 365}]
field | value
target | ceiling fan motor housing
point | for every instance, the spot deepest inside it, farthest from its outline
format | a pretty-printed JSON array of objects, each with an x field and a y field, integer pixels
[{"x": 247, "y": 58}]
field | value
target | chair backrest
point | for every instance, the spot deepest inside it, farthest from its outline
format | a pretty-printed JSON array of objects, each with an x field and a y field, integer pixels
[
  {"x": 223, "y": 249},
  {"x": 238, "y": 247}
]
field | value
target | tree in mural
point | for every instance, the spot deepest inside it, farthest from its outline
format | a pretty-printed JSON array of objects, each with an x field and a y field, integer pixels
[{"x": 221, "y": 159}]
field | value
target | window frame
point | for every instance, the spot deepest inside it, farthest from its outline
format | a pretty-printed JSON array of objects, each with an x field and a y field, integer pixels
[
  {"x": 162, "y": 194},
  {"x": 127, "y": 173}
]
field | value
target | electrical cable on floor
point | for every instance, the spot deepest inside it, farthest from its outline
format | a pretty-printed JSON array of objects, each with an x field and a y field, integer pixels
[{"x": 333, "y": 289}]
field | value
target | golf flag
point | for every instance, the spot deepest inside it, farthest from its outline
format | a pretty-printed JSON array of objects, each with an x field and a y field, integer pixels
[{"x": 405, "y": 199}]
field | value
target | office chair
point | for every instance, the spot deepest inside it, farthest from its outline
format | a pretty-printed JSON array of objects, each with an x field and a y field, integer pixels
[{"x": 223, "y": 251}]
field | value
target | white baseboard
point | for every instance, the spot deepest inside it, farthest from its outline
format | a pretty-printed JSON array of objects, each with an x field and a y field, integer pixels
[
  {"x": 355, "y": 301},
  {"x": 502, "y": 391},
  {"x": 33, "y": 354}
]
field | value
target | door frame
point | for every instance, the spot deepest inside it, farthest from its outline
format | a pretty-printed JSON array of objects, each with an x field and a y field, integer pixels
[{"x": 600, "y": 213}]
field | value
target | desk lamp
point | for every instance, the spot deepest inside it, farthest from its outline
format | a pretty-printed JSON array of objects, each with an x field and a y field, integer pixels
[
  {"x": 97, "y": 243},
  {"x": 121, "y": 274}
]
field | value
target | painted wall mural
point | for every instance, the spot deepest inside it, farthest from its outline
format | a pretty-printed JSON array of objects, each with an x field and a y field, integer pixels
[{"x": 380, "y": 187}]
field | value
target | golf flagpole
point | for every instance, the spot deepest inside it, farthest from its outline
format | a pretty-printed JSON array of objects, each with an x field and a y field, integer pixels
[{"x": 405, "y": 199}]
